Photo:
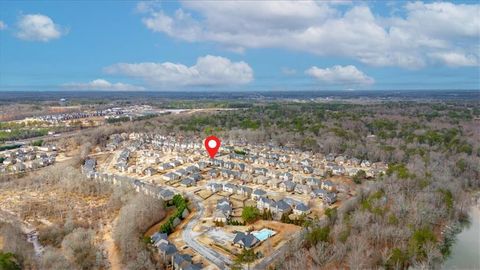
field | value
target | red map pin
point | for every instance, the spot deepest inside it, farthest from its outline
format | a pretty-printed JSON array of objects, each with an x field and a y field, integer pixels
[{"x": 212, "y": 144}]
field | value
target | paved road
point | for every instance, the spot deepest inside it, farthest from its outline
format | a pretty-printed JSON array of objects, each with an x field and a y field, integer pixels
[
  {"x": 188, "y": 235},
  {"x": 57, "y": 136}
]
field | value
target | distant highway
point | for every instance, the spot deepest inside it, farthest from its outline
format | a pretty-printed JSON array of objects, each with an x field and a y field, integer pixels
[{"x": 49, "y": 137}]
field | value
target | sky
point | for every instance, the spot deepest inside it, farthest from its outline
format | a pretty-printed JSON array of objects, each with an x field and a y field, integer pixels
[{"x": 238, "y": 45}]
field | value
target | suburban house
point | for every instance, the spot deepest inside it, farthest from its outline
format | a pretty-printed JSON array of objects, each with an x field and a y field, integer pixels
[
  {"x": 262, "y": 180},
  {"x": 281, "y": 207},
  {"x": 149, "y": 171},
  {"x": 260, "y": 171},
  {"x": 245, "y": 191},
  {"x": 170, "y": 176},
  {"x": 213, "y": 173},
  {"x": 306, "y": 162},
  {"x": 313, "y": 182},
  {"x": 184, "y": 262},
  {"x": 286, "y": 176},
  {"x": 303, "y": 189},
  {"x": 258, "y": 193},
  {"x": 265, "y": 203},
  {"x": 328, "y": 185},
  {"x": 223, "y": 210},
  {"x": 274, "y": 183},
  {"x": 165, "y": 166},
  {"x": 330, "y": 198},
  {"x": 214, "y": 187},
  {"x": 230, "y": 188},
  {"x": 301, "y": 209},
  {"x": 245, "y": 240},
  {"x": 188, "y": 182},
  {"x": 287, "y": 186},
  {"x": 307, "y": 169},
  {"x": 166, "y": 249},
  {"x": 166, "y": 195}
]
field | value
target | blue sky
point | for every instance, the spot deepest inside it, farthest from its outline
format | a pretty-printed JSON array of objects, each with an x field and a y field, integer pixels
[{"x": 193, "y": 45}]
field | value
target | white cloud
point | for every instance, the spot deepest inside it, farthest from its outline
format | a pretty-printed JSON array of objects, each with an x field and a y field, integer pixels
[
  {"x": 454, "y": 59},
  {"x": 2, "y": 25},
  {"x": 38, "y": 27},
  {"x": 208, "y": 71},
  {"x": 349, "y": 75},
  {"x": 325, "y": 29},
  {"x": 102, "y": 85}
]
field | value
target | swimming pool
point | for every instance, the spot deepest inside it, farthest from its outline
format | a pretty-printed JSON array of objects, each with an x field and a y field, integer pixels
[{"x": 263, "y": 234}]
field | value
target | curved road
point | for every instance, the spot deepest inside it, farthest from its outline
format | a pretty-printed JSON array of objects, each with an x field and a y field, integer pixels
[{"x": 188, "y": 235}]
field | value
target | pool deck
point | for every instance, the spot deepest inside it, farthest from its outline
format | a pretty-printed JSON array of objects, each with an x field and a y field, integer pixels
[{"x": 264, "y": 234}]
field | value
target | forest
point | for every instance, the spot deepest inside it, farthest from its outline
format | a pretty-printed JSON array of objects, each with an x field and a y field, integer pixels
[{"x": 394, "y": 222}]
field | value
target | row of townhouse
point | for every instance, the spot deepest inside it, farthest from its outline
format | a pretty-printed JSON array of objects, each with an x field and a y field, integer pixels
[
  {"x": 283, "y": 206},
  {"x": 122, "y": 160},
  {"x": 191, "y": 172},
  {"x": 230, "y": 188},
  {"x": 148, "y": 189},
  {"x": 27, "y": 159},
  {"x": 57, "y": 118}
]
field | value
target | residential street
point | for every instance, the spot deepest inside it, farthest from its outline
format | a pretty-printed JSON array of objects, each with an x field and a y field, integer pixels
[{"x": 221, "y": 261}]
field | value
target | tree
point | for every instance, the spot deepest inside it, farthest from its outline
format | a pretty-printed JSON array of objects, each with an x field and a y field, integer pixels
[
  {"x": 79, "y": 248},
  {"x": 250, "y": 214},
  {"x": 359, "y": 176},
  {"x": 318, "y": 234},
  {"x": 8, "y": 261},
  {"x": 247, "y": 256}
]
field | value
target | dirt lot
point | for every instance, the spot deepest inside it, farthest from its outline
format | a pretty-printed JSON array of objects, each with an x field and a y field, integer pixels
[{"x": 221, "y": 238}]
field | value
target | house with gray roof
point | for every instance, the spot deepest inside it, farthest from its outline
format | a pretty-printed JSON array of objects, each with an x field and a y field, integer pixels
[
  {"x": 330, "y": 198},
  {"x": 286, "y": 176},
  {"x": 180, "y": 261},
  {"x": 230, "y": 188},
  {"x": 281, "y": 207},
  {"x": 170, "y": 176},
  {"x": 165, "y": 166},
  {"x": 301, "y": 209},
  {"x": 214, "y": 173},
  {"x": 196, "y": 176},
  {"x": 188, "y": 182},
  {"x": 181, "y": 172},
  {"x": 149, "y": 171},
  {"x": 214, "y": 187},
  {"x": 302, "y": 189},
  {"x": 159, "y": 236},
  {"x": 166, "y": 195},
  {"x": 318, "y": 193},
  {"x": 287, "y": 186},
  {"x": 307, "y": 169},
  {"x": 274, "y": 182},
  {"x": 258, "y": 193},
  {"x": 240, "y": 167},
  {"x": 166, "y": 250},
  {"x": 245, "y": 191},
  {"x": 328, "y": 185},
  {"x": 89, "y": 165},
  {"x": 245, "y": 240},
  {"x": 260, "y": 171}
]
